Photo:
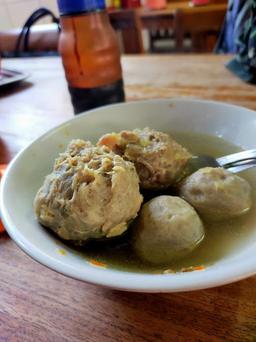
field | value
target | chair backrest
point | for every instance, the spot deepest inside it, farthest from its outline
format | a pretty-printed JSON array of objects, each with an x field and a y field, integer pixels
[
  {"x": 199, "y": 22},
  {"x": 128, "y": 23},
  {"x": 42, "y": 38}
]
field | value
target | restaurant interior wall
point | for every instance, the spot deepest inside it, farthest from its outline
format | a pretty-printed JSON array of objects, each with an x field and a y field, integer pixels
[{"x": 13, "y": 13}]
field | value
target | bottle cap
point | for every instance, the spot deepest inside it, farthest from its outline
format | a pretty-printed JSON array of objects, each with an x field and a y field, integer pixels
[{"x": 78, "y": 6}]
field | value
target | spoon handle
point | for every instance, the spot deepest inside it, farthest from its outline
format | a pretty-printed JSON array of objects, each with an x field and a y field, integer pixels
[
  {"x": 235, "y": 168},
  {"x": 227, "y": 161}
]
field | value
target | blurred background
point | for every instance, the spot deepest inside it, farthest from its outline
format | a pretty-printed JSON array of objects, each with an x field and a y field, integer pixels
[
  {"x": 13, "y": 13},
  {"x": 151, "y": 26}
]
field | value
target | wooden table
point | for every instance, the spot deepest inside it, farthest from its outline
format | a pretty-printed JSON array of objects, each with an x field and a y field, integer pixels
[{"x": 37, "y": 304}]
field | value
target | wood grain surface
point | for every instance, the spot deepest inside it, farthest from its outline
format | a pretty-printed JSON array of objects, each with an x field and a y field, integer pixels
[{"x": 37, "y": 304}]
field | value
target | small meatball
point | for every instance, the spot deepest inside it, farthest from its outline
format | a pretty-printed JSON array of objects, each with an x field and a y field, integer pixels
[
  {"x": 216, "y": 193},
  {"x": 91, "y": 193},
  {"x": 168, "y": 228},
  {"x": 159, "y": 160}
]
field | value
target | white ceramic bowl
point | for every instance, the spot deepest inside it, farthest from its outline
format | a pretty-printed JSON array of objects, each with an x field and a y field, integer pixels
[{"x": 27, "y": 171}]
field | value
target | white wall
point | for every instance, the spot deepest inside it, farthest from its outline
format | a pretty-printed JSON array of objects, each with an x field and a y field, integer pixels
[{"x": 13, "y": 13}]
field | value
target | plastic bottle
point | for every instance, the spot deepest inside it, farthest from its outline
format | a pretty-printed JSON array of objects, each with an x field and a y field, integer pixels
[{"x": 90, "y": 54}]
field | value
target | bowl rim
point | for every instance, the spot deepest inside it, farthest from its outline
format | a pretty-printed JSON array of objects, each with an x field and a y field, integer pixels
[{"x": 123, "y": 280}]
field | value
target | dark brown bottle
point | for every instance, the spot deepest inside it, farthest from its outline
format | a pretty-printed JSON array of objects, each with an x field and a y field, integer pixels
[{"x": 90, "y": 54}]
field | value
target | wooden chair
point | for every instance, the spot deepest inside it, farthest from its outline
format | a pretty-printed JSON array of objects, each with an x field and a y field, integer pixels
[
  {"x": 44, "y": 38},
  {"x": 203, "y": 28},
  {"x": 162, "y": 34},
  {"x": 129, "y": 25}
]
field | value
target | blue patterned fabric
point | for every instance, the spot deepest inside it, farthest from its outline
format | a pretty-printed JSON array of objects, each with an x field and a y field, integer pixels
[{"x": 239, "y": 36}]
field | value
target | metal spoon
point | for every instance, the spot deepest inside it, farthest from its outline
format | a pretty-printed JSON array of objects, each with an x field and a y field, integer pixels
[{"x": 235, "y": 162}]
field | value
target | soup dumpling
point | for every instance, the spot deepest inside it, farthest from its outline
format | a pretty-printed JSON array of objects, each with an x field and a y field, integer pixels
[
  {"x": 168, "y": 228},
  {"x": 158, "y": 158},
  {"x": 91, "y": 193},
  {"x": 217, "y": 193}
]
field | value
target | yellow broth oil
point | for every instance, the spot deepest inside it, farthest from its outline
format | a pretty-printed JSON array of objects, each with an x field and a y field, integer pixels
[{"x": 221, "y": 238}]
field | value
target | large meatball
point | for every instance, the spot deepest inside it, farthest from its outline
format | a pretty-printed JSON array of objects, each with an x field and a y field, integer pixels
[
  {"x": 91, "y": 193},
  {"x": 217, "y": 193},
  {"x": 168, "y": 228},
  {"x": 159, "y": 160}
]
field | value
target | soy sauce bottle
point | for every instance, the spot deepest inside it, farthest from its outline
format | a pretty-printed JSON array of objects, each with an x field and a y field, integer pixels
[{"x": 90, "y": 54}]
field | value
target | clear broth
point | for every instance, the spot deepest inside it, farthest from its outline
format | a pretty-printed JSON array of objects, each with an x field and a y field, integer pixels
[{"x": 221, "y": 239}]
